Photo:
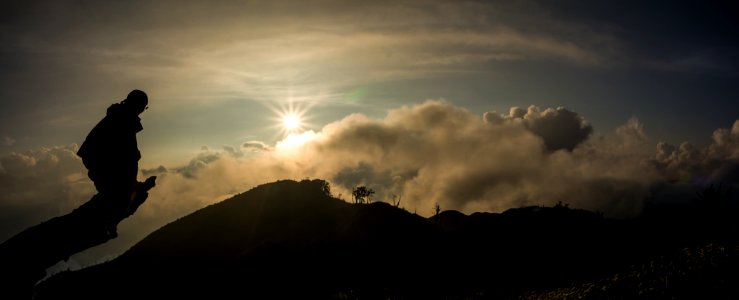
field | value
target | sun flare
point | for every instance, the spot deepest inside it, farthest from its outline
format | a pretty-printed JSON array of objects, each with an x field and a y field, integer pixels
[
  {"x": 291, "y": 118},
  {"x": 291, "y": 122}
]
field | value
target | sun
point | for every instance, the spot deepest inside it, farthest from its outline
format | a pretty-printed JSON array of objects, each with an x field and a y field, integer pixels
[
  {"x": 291, "y": 122},
  {"x": 291, "y": 118}
]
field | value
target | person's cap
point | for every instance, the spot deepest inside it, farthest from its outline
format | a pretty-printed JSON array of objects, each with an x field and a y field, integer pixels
[{"x": 137, "y": 99}]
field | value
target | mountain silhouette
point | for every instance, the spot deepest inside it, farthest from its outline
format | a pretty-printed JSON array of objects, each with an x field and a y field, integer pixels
[{"x": 293, "y": 239}]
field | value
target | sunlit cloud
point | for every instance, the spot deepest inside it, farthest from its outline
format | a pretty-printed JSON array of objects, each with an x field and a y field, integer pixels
[
  {"x": 435, "y": 152},
  {"x": 293, "y": 143},
  {"x": 427, "y": 153}
]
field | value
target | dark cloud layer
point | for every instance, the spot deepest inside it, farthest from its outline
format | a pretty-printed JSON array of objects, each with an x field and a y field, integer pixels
[{"x": 560, "y": 128}]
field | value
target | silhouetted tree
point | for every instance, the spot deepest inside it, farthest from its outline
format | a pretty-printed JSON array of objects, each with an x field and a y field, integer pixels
[
  {"x": 362, "y": 194},
  {"x": 562, "y": 205},
  {"x": 326, "y": 188},
  {"x": 396, "y": 200},
  {"x": 437, "y": 209}
]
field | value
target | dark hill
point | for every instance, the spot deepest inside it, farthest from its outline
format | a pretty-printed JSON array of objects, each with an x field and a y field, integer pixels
[{"x": 292, "y": 239}]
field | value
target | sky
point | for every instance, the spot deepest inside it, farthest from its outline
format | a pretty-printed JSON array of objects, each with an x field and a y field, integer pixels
[{"x": 475, "y": 105}]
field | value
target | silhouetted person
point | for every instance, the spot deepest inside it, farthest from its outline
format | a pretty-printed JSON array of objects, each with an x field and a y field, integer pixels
[
  {"x": 110, "y": 151},
  {"x": 111, "y": 156}
]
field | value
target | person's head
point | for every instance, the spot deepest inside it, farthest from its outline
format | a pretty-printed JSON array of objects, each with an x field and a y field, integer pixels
[{"x": 137, "y": 101}]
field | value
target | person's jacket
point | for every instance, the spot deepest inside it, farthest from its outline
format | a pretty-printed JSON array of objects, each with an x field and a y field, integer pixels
[{"x": 110, "y": 149}]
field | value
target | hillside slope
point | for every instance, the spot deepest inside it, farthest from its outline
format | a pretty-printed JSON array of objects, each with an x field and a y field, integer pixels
[{"x": 292, "y": 239}]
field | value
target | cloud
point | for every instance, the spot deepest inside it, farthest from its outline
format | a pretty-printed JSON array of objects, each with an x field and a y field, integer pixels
[
  {"x": 725, "y": 143},
  {"x": 632, "y": 133},
  {"x": 193, "y": 44},
  {"x": 195, "y": 55},
  {"x": 712, "y": 164},
  {"x": 154, "y": 172},
  {"x": 428, "y": 153},
  {"x": 256, "y": 146},
  {"x": 435, "y": 152},
  {"x": 560, "y": 128},
  {"x": 198, "y": 162},
  {"x": 39, "y": 184}
]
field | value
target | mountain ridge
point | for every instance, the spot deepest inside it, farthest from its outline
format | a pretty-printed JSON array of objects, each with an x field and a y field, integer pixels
[{"x": 314, "y": 245}]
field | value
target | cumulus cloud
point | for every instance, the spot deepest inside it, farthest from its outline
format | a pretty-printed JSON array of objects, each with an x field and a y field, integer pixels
[
  {"x": 632, "y": 133},
  {"x": 200, "y": 161},
  {"x": 628, "y": 142},
  {"x": 725, "y": 143},
  {"x": 712, "y": 164},
  {"x": 436, "y": 152},
  {"x": 429, "y": 153},
  {"x": 39, "y": 184},
  {"x": 560, "y": 128}
]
